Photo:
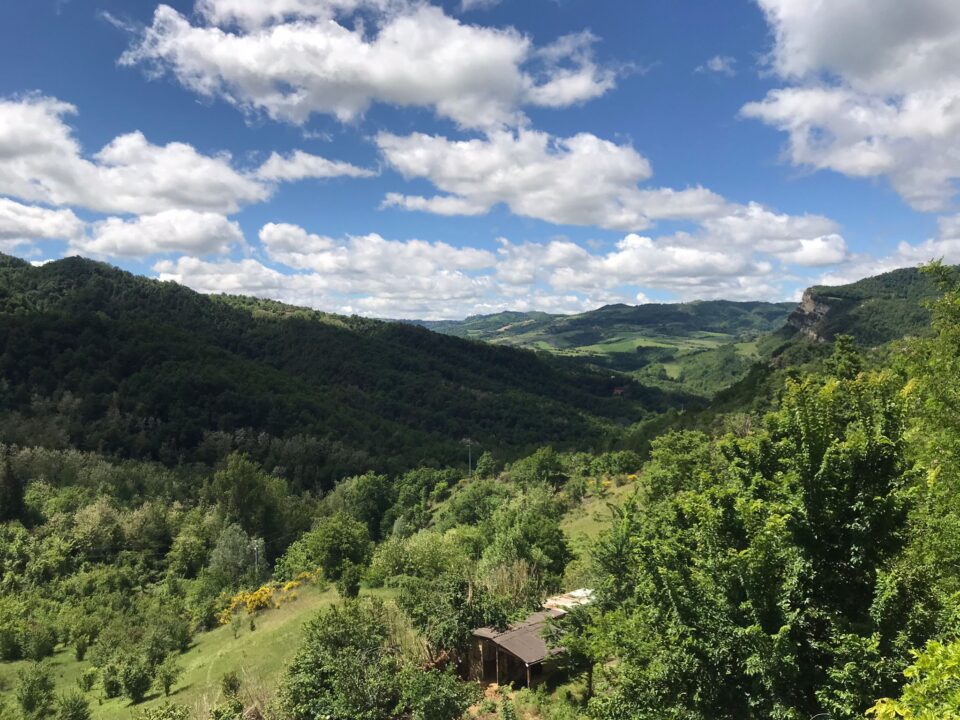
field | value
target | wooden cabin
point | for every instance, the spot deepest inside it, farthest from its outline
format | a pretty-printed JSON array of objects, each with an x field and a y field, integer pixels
[{"x": 520, "y": 654}]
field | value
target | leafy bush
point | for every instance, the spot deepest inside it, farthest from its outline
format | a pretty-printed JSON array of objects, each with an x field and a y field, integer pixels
[
  {"x": 435, "y": 695},
  {"x": 38, "y": 638},
  {"x": 334, "y": 541},
  {"x": 87, "y": 679},
  {"x": 167, "y": 674},
  {"x": 166, "y": 711},
  {"x": 230, "y": 684},
  {"x": 35, "y": 691},
  {"x": 136, "y": 676},
  {"x": 544, "y": 467},
  {"x": 72, "y": 706},
  {"x": 425, "y": 554},
  {"x": 348, "y": 584},
  {"x": 111, "y": 678},
  {"x": 932, "y": 691}
]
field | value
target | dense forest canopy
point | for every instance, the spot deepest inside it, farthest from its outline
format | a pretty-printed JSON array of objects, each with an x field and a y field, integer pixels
[{"x": 98, "y": 359}]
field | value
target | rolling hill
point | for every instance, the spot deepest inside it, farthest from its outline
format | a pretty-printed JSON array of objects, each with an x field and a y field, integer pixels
[
  {"x": 96, "y": 358},
  {"x": 701, "y": 348},
  {"x": 654, "y": 341}
]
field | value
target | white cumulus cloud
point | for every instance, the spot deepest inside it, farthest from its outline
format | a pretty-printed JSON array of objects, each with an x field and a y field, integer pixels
[
  {"x": 294, "y": 58},
  {"x": 21, "y": 225},
  {"x": 43, "y": 162},
  {"x": 580, "y": 180},
  {"x": 874, "y": 91},
  {"x": 300, "y": 165},
  {"x": 179, "y": 197},
  {"x": 185, "y": 231}
]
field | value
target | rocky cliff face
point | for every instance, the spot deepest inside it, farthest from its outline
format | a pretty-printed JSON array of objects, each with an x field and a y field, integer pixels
[{"x": 808, "y": 316}]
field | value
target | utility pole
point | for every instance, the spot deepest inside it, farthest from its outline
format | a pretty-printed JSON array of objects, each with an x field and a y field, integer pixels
[{"x": 469, "y": 443}]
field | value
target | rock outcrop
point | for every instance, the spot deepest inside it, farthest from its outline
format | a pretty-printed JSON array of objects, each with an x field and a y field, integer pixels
[{"x": 808, "y": 317}]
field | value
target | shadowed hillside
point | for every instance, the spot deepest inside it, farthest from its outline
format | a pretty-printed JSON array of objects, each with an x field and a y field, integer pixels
[{"x": 100, "y": 359}]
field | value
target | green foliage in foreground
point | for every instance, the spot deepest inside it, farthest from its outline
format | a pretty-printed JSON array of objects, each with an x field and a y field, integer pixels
[
  {"x": 787, "y": 569},
  {"x": 349, "y": 668},
  {"x": 932, "y": 691}
]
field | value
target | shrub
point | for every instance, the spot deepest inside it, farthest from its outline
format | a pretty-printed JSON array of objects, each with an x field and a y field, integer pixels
[
  {"x": 168, "y": 672},
  {"x": 486, "y": 466},
  {"x": 35, "y": 691},
  {"x": 543, "y": 467},
  {"x": 348, "y": 584},
  {"x": 110, "y": 679},
  {"x": 39, "y": 640},
  {"x": 166, "y": 711},
  {"x": 230, "y": 684},
  {"x": 72, "y": 706},
  {"x": 436, "y": 695},
  {"x": 136, "y": 677},
  {"x": 425, "y": 554},
  {"x": 87, "y": 679},
  {"x": 9, "y": 641},
  {"x": 80, "y": 647},
  {"x": 230, "y": 709},
  {"x": 334, "y": 541}
]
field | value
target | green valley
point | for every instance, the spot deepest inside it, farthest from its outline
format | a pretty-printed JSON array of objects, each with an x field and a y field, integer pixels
[
  {"x": 656, "y": 342},
  {"x": 222, "y": 508}
]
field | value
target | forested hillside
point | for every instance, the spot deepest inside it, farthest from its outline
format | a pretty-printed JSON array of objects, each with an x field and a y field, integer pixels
[
  {"x": 703, "y": 348},
  {"x": 98, "y": 359},
  {"x": 872, "y": 311},
  {"x": 537, "y": 329},
  {"x": 791, "y": 556}
]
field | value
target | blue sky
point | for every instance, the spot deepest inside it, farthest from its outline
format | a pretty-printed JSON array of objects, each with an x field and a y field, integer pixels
[{"x": 406, "y": 159}]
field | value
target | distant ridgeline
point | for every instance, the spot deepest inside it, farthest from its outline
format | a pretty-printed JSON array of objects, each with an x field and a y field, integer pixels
[
  {"x": 99, "y": 359},
  {"x": 702, "y": 348},
  {"x": 873, "y": 311},
  {"x": 611, "y": 329}
]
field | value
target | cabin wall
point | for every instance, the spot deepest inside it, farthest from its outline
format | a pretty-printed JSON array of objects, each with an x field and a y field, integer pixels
[{"x": 481, "y": 664}]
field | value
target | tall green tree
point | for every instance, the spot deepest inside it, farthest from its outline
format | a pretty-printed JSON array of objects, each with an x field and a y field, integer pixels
[
  {"x": 11, "y": 489},
  {"x": 754, "y": 567}
]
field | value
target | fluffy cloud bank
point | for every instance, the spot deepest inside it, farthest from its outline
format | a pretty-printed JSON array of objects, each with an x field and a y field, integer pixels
[
  {"x": 294, "y": 58},
  {"x": 203, "y": 233},
  {"x": 180, "y": 195},
  {"x": 21, "y": 224},
  {"x": 43, "y": 162},
  {"x": 371, "y": 275},
  {"x": 581, "y": 180},
  {"x": 874, "y": 91}
]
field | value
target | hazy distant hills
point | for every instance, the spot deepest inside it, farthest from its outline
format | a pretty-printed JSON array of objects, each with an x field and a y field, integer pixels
[
  {"x": 596, "y": 330},
  {"x": 704, "y": 347},
  {"x": 660, "y": 343}
]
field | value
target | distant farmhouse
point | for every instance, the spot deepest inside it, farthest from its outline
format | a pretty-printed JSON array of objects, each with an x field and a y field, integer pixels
[{"x": 520, "y": 655}]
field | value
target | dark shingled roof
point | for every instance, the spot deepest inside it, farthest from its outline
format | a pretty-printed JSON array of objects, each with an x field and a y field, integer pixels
[{"x": 523, "y": 640}]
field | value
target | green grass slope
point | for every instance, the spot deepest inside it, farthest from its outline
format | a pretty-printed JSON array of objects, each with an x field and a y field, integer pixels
[
  {"x": 258, "y": 657},
  {"x": 657, "y": 342}
]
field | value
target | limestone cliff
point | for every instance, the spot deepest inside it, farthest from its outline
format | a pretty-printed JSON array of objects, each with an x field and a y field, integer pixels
[{"x": 809, "y": 315}]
